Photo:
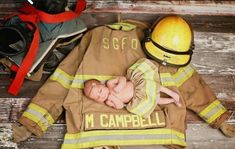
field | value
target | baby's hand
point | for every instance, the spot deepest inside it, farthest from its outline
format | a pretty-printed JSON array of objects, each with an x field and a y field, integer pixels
[
  {"x": 119, "y": 83},
  {"x": 114, "y": 102},
  {"x": 110, "y": 103},
  {"x": 118, "y": 88}
]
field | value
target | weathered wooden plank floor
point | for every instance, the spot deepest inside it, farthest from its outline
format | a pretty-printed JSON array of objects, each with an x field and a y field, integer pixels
[{"x": 214, "y": 58}]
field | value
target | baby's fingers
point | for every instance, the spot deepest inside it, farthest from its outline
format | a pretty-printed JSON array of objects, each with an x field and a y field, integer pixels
[
  {"x": 117, "y": 89},
  {"x": 178, "y": 104}
]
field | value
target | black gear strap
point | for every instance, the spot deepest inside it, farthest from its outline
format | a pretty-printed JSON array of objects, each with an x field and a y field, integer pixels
[{"x": 15, "y": 37}]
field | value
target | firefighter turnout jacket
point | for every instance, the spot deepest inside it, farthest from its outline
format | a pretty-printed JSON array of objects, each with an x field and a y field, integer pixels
[{"x": 103, "y": 53}]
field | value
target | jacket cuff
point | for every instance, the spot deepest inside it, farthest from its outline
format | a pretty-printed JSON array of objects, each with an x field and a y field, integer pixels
[
  {"x": 31, "y": 126},
  {"x": 217, "y": 123}
]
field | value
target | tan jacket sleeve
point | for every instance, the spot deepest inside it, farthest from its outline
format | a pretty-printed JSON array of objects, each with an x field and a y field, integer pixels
[
  {"x": 200, "y": 98},
  {"x": 46, "y": 106}
]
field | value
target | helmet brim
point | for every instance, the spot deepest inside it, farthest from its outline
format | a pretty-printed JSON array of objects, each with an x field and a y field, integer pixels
[{"x": 164, "y": 57}]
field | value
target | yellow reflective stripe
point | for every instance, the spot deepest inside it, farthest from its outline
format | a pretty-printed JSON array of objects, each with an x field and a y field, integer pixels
[
  {"x": 167, "y": 79},
  {"x": 68, "y": 81},
  {"x": 213, "y": 111},
  {"x": 36, "y": 120},
  {"x": 122, "y": 26},
  {"x": 62, "y": 77},
  {"x": 150, "y": 88},
  {"x": 39, "y": 115},
  {"x": 125, "y": 132},
  {"x": 123, "y": 137},
  {"x": 178, "y": 78},
  {"x": 79, "y": 80},
  {"x": 208, "y": 108},
  {"x": 98, "y": 77},
  {"x": 216, "y": 115},
  {"x": 183, "y": 74},
  {"x": 122, "y": 142},
  {"x": 42, "y": 111}
]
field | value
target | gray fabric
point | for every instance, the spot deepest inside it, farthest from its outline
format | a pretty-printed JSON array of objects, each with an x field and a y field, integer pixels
[{"x": 50, "y": 33}]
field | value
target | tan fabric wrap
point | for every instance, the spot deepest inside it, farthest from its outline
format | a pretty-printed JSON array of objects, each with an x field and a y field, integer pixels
[{"x": 143, "y": 91}]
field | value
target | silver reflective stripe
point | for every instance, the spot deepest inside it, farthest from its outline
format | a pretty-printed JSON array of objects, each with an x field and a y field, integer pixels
[
  {"x": 39, "y": 116},
  {"x": 62, "y": 77},
  {"x": 123, "y": 137},
  {"x": 78, "y": 83},
  {"x": 93, "y": 138},
  {"x": 178, "y": 78},
  {"x": 79, "y": 80},
  {"x": 69, "y": 81},
  {"x": 168, "y": 80},
  {"x": 186, "y": 73},
  {"x": 213, "y": 111}
]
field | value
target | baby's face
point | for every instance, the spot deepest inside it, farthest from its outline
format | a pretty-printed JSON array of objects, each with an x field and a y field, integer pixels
[{"x": 99, "y": 92}]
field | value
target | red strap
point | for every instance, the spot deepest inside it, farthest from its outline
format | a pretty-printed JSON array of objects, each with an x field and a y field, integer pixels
[
  {"x": 14, "y": 68},
  {"x": 33, "y": 15},
  {"x": 81, "y": 5},
  {"x": 28, "y": 59},
  {"x": 54, "y": 18}
]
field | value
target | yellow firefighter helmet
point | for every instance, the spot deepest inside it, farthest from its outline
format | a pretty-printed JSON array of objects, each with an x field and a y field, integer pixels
[{"x": 171, "y": 41}]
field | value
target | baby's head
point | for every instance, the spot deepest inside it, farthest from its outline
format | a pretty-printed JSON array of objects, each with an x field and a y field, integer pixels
[{"x": 95, "y": 90}]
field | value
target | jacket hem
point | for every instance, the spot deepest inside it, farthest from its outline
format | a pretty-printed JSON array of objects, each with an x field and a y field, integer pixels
[{"x": 161, "y": 136}]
